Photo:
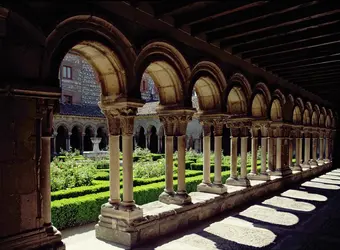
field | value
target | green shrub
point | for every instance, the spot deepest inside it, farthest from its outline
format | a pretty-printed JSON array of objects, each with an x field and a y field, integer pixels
[
  {"x": 199, "y": 166},
  {"x": 70, "y": 173},
  {"x": 156, "y": 157},
  {"x": 101, "y": 186},
  {"x": 85, "y": 209},
  {"x": 102, "y": 164},
  {"x": 149, "y": 169},
  {"x": 187, "y": 164}
]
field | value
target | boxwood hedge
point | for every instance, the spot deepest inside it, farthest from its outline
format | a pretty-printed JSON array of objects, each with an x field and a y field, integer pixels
[{"x": 85, "y": 209}]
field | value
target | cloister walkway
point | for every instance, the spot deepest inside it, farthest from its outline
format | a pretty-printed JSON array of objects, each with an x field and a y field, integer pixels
[{"x": 304, "y": 217}]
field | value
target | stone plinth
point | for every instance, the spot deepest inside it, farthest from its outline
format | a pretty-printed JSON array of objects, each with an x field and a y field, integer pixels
[{"x": 160, "y": 218}]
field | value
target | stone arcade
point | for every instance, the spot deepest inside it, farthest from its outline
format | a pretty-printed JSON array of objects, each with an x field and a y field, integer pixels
[{"x": 182, "y": 55}]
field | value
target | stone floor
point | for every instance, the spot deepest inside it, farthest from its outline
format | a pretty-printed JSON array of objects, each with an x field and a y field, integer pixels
[{"x": 304, "y": 217}]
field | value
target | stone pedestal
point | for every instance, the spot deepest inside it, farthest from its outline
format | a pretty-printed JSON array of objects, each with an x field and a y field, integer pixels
[
  {"x": 212, "y": 188},
  {"x": 242, "y": 182},
  {"x": 96, "y": 141},
  {"x": 115, "y": 224},
  {"x": 174, "y": 198}
]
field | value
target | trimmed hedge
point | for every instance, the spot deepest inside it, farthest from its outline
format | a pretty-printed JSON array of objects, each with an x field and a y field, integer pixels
[
  {"x": 85, "y": 209},
  {"x": 101, "y": 186}
]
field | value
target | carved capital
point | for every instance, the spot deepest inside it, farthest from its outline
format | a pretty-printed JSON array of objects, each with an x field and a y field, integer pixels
[
  {"x": 44, "y": 111},
  {"x": 169, "y": 123},
  {"x": 113, "y": 123},
  {"x": 127, "y": 123},
  {"x": 206, "y": 125},
  {"x": 182, "y": 123}
]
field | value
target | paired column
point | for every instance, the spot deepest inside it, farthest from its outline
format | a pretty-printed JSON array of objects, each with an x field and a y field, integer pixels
[
  {"x": 234, "y": 180},
  {"x": 175, "y": 125},
  {"x": 114, "y": 133},
  {"x": 290, "y": 152},
  {"x": 306, "y": 163},
  {"x": 254, "y": 146},
  {"x": 313, "y": 162},
  {"x": 263, "y": 127},
  {"x": 298, "y": 151},
  {"x": 271, "y": 161},
  {"x": 321, "y": 149},
  {"x": 282, "y": 134},
  {"x": 217, "y": 187}
]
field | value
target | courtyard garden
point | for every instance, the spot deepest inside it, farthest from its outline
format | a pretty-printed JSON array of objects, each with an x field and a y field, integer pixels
[{"x": 80, "y": 186}]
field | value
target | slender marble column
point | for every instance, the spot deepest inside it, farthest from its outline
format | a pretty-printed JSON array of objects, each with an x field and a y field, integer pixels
[
  {"x": 55, "y": 143},
  {"x": 321, "y": 152},
  {"x": 233, "y": 157},
  {"x": 169, "y": 145},
  {"x": 278, "y": 154},
  {"x": 297, "y": 166},
  {"x": 314, "y": 147},
  {"x": 114, "y": 169},
  {"x": 326, "y": 150},
  {"x": 264, "y": 156},
  {"x": 68, "y": 141},
  {"x": 206, "y": 159},
  {"x": 127, "y": 171},
  {"x": 290, "y": 152},
  {"x": 253, "y": 155},
  {"x": 218, "y": 160},
  {"x": 271, "y": 154},
  {"x": 45, "y": 185},
  {"x": 181, "y": 164},
  {"x": 307, "y": 153},
  {"x": 159, "y": 144},
  {"x": 243, "y": 174}
]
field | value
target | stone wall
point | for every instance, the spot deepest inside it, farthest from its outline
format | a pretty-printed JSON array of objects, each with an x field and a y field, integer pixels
[
  {"x": 20, "y": 201},
  {"x": 83, "y": 87}
]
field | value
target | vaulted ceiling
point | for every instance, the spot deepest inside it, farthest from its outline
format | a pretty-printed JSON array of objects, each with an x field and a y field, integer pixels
[{"x": 295, "y": 40}]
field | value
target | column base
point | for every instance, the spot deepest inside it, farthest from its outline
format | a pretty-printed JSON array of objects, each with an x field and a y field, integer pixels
[
  {"x": 305, "y": 165},
  {"x": 281, "y": 172},
  {"x": 34, "y": 239},
  {"x": 212, "y": 188},
  {"x": 116, "y": 224},
  {"x": 175, "y": 198},
  {"x": 313, "y": 163},
  {"x": 296, "y": 168},
  {"x": 320, "y": 162},
  {"x": 326, "y": 161},
  {"x": 258, "y": 177},
  {"x": 241, "y": 182}
]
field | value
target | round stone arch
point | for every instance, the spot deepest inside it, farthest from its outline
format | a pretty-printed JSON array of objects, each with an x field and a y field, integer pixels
[
  {"x": 309, "y": 107},
  {"x": 322, "y": 117},
  {"x": 260, "y": 101},
  {"x": 299, "y": 102},
  {"x": 168, "y": 69},
  {"x": 328, "y": 123},
  {"x": 238, "y": 94},
  {"x": 62, "y": 124},
  {"x": 79, "y": 125},
  {"x": 209, "y": 83},
  {"x": 107, "y": 50},
  {"x": 330, "y": 113},
  {"x": 276, "y": 110},
  {"x": 306, "y": 117},
  {"x": 315, "y": 116},
  {"x": 297, "y": 115}
]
